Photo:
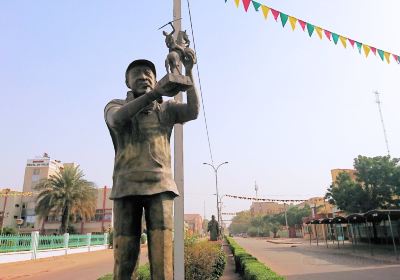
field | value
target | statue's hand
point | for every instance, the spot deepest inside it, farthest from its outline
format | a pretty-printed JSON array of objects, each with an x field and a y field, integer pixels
[
  {"x": 189, "y": 60},
  {"x": 162, "y": 91}
]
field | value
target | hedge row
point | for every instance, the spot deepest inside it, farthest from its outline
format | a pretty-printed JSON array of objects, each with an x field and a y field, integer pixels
[{"x": 248, "y": 266}]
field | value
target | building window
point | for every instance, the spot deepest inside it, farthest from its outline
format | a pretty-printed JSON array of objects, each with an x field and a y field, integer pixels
[
  {"x": 17, "y": 205},
  {"x": 36, "y": 171},
  {"x": 15, "y": 217},
  {"x": 102, "y": 215}
]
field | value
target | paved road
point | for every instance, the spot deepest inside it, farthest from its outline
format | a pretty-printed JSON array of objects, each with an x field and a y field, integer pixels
[
  {"x": 304, "y": 262},
  {"x": 83, "y": 266}
]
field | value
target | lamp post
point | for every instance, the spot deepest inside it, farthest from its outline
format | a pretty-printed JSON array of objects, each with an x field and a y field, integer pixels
[{"x": 216, "y": 185}]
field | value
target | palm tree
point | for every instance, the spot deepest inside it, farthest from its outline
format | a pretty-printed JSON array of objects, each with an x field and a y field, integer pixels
[{"x": 66, "y": 193}]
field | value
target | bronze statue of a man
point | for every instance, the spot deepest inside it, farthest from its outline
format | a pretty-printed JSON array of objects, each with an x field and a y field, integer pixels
[
  {"x": 140, "y": 128},
  {"x": 213, "y": 228}
]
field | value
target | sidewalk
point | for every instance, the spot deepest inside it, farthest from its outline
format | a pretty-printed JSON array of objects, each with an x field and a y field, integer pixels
[
  {"x": 229, "y": 271},
  {"x": 380, "y": 253}
]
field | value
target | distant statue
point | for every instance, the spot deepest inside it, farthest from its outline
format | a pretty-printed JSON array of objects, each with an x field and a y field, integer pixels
[
  {"x": 179, "y": 51},
  {"x": 213, "y": 228}
]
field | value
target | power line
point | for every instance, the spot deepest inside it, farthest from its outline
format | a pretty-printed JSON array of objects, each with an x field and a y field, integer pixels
[{"x": 201, "y": 91}]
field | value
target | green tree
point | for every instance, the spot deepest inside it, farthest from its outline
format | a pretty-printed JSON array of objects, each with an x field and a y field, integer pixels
[
  {"x": 66, "y": 193},
  {"x": 240, "y": 223},
  {"x": 377, "y": 185}
]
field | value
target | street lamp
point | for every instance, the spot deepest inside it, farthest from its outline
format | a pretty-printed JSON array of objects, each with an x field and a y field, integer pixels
[{"x": 216, "y": 185}]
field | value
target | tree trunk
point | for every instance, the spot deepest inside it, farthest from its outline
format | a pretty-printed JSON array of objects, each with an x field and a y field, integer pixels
[{"x": 64, "y": 220}]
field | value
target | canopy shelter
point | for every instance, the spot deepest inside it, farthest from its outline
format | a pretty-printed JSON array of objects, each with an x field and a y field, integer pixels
[
  {"x": 385, "y": 216},
  {"x": 374, "y": 224}
]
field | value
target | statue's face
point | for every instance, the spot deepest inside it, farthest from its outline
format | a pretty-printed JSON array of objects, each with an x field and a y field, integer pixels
[{"x": 141, "y": 79}]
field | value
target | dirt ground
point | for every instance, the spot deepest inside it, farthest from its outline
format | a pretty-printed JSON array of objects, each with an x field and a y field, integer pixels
[{"x": 82, "y": 266}]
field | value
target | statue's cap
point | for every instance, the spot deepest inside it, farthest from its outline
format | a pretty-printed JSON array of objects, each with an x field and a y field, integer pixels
[{"x": 141, "y": 62}]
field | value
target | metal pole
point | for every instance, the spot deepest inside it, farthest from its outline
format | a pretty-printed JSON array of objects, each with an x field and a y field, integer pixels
[
  {"x": 369, "y": 238},
  {"x": 217, "y": 194},
  {"x": 316, "y": 233},
  {"x": 326, "y": 235},
  {"x": 394, "y": 243},
  {"x": 179, "y": 266}
]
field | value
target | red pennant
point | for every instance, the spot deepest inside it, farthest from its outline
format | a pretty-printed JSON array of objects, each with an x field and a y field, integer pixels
[
  {"x": 246, "y": 4},
  {"x": 327, "y": 34},
  {"x": 351, "y": 42},
  {"x": 275, "y": 13},
  {"x": 396, "y": 58},
  {"x": 302, "y": 24},
  {"x": 373, "y": 50}
]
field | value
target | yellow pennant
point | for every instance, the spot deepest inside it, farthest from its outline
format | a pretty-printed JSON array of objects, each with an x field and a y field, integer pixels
[
  {"x": 366, "y": 50},
  {"x": 387, "y": 56},
  {"x": 319, "y": 31},
  {"x": 293, "y": 22},
  {"x": 343, "y": 40},
  {"x": 237, "y": 3},
  {"x": 265, "y": 11}
]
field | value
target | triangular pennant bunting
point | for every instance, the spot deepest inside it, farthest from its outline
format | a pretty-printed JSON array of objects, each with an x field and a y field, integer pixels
[
  {"x": 246, "y": 4},
  {"x": 293, "y": 21},
  {"x": 328, "y": 34},
  {"x": 366, "y": 50},
  {"x": 380, "y": 52},
  {"x": 359, "y": 45},
  {"x": 256, "y": 5},
  {"x": 302, "y": 24},
  {"x": 335, "y": 38},
  {"x": 387, "y": 56},
  {"x": 319, "y": 31},
  {"x": 275, "y": 13},
  {"x": 331, "y": 36},
  {"x": 284, "y": 18},
  {"x": 310, "y": 29},
  {"x": 343, "y": 40},
  {"x": 265, "y": 11}
]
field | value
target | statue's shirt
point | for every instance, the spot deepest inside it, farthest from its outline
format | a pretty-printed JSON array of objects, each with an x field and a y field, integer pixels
[{"x": 142, "y": 164}]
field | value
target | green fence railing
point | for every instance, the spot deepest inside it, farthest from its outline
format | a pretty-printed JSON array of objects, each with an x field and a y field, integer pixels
[
  {"x": 97, "y": 239},
  {"x": 23, "y": 242},
  {"x": 15, "y": 243},
  {"x": 50, "y": 242},
  {"x": 77, "y": 240}
]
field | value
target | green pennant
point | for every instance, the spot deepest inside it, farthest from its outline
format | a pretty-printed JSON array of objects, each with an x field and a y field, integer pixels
[
  {"x": 359, "y": 45},
  {"x": 256, "y": 5},
  {"x": 335, "y": 37},
  {"x": 310, "y": 29},
  {"x": 284, "y": 18},
  {"x": 381, "y": 54}
]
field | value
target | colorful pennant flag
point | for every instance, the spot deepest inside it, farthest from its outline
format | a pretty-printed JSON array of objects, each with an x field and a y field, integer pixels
[
  {"x": 256, "y": 5},
  {"x": 319, "y": 31},
  {"x": 265, "y": 11},
  {"x": 310, "y": 30},
  {"x": 293, "y": 21},
  {"x": 275, "y": 13},
  {"x": 343, "y": 40},
  {"x": 284, "y": 19},
  {"x": 328, "y": 34},
  {"x": 246, "y": 4}
]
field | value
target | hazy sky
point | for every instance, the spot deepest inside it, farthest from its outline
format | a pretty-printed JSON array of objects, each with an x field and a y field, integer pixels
[{"x": 282, "y": 108}]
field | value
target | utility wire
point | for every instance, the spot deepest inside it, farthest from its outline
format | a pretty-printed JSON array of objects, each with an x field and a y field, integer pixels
[{"x": 201, "y": 91}]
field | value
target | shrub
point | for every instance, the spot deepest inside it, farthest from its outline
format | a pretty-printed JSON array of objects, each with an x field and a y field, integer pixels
[
  {"x": 8, "y": 230},
  {"x": 203, "y": 260},
  {"x": 248, "y": 266}
]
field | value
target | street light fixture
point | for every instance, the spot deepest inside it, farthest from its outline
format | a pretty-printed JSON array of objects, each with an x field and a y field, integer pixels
[{"x": 216, "y": 185}]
